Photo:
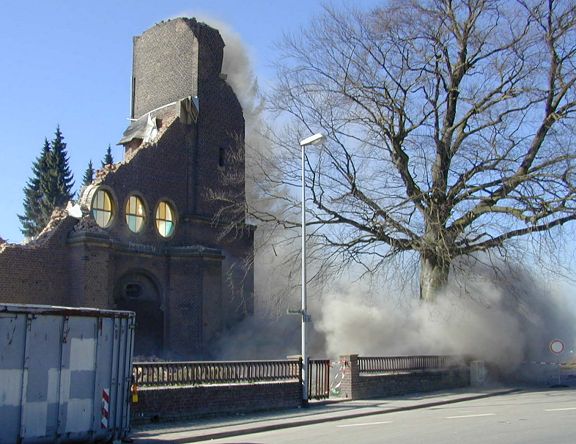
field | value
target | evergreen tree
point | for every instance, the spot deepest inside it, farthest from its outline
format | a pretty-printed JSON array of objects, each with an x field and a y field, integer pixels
[
  {"x": 49, "y": 187},
  {"x": 35, "y": 218},
  {"x": 57, "y": 188},
  {"x": 108, "y": 159},
  {"x": 88, "y": 175}
]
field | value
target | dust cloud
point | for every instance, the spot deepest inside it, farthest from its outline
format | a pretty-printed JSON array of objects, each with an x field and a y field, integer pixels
[
  {"x": 504, "y": 315},
  {"x": 238, "y": 71}
]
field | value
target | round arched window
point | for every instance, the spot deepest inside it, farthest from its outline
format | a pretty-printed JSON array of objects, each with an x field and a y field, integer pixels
[
  {"x": 135, "y": 214},
  {"x": 102, "y": 208},
  {"x": 165, "y": 219}
]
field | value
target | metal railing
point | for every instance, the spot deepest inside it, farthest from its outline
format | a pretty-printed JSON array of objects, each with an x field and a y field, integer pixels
[
  {"x": 150, "y": 374},
  {"x": 368, "y": 365},
  {"x": 318, "y": 378}
]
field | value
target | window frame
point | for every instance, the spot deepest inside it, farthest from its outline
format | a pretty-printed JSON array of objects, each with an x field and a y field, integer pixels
[
  {"x": 170, "y": 205},
  {"x": 95, "y": 211},
  {"x": 143, "y": 216}
]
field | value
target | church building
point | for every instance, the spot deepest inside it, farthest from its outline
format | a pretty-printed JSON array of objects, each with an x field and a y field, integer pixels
[{"x": 144, "y": 235}]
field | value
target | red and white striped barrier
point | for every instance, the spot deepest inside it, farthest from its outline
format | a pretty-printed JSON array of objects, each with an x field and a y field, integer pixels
[{"x": 105, "y": 408}]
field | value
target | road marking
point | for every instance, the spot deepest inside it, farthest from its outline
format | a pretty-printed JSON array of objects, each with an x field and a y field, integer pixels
[
  {"x": 364, "y": 424},
  {"x": 478, "y": 415},
  {"x": 560, "y": 409}
]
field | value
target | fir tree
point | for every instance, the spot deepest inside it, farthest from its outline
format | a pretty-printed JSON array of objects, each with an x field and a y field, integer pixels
[
  {"x": 88, "y": 175},
  {"x": 35, "y": 218},
  {"x": 57, "y": 188},
  {"x": 108, "y": 159},
  {"x": 49, "y": 187}
]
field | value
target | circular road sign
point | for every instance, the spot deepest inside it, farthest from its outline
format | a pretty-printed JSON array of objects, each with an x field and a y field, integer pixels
[{"x": 556, "y": 346}]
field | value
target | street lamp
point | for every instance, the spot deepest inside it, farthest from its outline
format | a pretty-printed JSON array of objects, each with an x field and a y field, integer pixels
[{"x": 312, "y": 140}]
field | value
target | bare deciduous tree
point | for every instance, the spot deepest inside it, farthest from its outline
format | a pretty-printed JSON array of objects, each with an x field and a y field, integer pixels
[{"x": 449, "y": 128}]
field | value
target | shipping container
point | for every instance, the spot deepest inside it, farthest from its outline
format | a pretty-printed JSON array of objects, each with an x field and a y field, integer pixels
[{"x": 64, "y": 373}]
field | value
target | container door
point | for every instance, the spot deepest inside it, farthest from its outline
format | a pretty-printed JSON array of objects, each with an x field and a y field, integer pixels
[
  {"x": 41, "y": 377},
  {"x": 12, "y": 342},
  {"x": 78, "y": 377},
  {"x": 114, "y": 368}
]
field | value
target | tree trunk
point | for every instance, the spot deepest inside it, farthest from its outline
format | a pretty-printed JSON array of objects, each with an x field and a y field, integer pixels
[{"x": 433, "y": 276}]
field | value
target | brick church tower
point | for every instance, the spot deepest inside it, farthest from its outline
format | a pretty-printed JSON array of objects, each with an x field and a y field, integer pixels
[{"x": 148, "y": 240}]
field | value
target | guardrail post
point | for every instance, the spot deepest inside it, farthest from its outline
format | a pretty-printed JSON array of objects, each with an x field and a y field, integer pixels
[{"x": 350, "y": 381}]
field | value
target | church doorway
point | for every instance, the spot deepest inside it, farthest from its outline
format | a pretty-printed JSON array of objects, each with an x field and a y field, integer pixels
[{"x": 138, "y": 292}]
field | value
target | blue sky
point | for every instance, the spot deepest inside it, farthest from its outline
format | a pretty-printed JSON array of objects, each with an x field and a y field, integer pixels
[{"x": 68, "y": 63}]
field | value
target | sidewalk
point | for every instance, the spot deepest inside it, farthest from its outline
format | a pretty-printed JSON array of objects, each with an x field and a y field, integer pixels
[{"x": 320, "y": 411}]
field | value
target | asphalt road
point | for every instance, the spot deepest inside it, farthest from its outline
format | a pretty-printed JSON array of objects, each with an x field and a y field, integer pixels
[{"x": 527, "y": 417}]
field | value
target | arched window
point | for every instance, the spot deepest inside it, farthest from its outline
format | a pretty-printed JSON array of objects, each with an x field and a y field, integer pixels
[
  {"x": 102, "y": 208},
  {"x": 133, "y": 291},
  {"x": 135, "y": 214},
  {"x": 165, "y": 219}
]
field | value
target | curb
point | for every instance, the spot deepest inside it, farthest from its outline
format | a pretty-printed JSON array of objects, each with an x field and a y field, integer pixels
[{"x": 295, "y": 422}]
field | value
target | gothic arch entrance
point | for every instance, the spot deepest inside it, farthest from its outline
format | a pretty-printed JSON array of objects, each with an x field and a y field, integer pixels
[{"x": 137, "y": 291}]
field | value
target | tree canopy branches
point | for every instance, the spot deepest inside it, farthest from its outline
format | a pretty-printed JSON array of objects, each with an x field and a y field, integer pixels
[{"x": 450, "y": 128}]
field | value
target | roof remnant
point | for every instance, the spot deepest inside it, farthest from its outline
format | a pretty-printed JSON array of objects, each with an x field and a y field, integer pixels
[{"x": 145, "y": 129}]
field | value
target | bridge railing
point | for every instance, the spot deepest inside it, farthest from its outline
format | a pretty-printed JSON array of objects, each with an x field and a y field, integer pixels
[
  {"x": 150, "y": 374},
  {"x": 385, "y": 364}
]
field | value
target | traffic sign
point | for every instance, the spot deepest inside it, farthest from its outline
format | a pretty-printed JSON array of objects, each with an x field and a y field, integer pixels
[{"x": 556, "y": 346}]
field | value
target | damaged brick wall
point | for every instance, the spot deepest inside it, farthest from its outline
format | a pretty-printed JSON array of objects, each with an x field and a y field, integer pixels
[
  {"x": 184, "y": 50},
  {"x": 37, "y": 273}
]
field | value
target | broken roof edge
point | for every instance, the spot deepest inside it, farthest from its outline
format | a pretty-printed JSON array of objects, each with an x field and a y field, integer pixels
[
  {"x": 146, "y": 128},
  {"x": 102, "y": 173},
  {"x": 58, "y": 216},
  {"x": 196, "y": 26},
  {"x": 56, "y": 221}
]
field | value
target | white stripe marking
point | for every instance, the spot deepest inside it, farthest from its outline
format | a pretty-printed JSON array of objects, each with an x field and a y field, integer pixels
[
  {"x": 560, "y": 409},
  {"x": 82, "y": 354},
  {"x": 365, "y": 424},
  {"x": 471, "y": 416}
]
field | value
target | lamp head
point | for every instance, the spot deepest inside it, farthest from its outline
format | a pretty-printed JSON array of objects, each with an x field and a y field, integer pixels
[{"x": 315, "y": 139}]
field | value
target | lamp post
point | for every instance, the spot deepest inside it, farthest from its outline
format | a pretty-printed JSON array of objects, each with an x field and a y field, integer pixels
[{"x": 312, "y": 140}]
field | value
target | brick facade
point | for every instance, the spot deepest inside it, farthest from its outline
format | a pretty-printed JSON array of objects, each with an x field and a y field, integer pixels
[
  {"x": 36, "y": 275},
  {"x": 178, "y": 285}
]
